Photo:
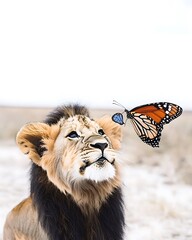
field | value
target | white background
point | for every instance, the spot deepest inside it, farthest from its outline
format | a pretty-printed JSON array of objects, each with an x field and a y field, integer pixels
[{"x": 91, "y": 52}]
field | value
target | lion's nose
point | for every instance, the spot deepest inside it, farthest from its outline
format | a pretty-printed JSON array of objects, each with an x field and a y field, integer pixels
[{"x": 101, "y": 146}]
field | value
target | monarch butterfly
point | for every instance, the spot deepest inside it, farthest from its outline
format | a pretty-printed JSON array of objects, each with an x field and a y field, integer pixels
[{"x": 148, "y": 119}]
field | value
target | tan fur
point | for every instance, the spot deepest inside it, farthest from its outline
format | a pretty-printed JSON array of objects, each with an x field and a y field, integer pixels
[
  {"x": 22, "y": 221},
  {"x": 112, "y": 130},
  {"x": 62, "y": 160}
]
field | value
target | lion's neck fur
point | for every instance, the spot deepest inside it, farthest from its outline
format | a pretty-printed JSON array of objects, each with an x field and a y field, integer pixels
[
  {"x": 87, "y": 211},
  {"x": 90, "y": 195}
]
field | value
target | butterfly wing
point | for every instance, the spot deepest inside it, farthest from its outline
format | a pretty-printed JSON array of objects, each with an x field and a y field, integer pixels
[
  {"x": 118, "y": 118},
  {"x": 161, "y": 112},
  {"x": 148, "y": 120},
  {"x": 147, "y": 129}
]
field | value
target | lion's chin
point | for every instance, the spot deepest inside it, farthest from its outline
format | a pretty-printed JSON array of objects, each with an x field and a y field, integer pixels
[{"x": 98, "y": 173}]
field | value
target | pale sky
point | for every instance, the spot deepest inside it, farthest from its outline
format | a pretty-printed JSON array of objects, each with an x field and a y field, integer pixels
[{"x": 91, "y": 52}]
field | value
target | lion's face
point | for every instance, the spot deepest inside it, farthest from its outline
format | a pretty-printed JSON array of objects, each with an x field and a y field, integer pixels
[
  {"x": 74, "y": 150},
  {"x": 84, "y": 151}
]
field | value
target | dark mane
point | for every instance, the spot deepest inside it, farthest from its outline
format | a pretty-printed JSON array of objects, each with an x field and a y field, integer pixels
[
  {"x": 62, "y": 218},
  {"x": 65, "y": 111}
]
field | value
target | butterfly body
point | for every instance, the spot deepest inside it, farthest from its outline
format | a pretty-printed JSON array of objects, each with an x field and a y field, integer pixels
[
  {"x": 129, "y": 114},
  {"x": 148, "y": 120}
]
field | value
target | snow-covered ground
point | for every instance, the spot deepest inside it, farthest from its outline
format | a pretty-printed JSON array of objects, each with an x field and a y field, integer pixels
[
  {"x": 14, "y": 184},
  {"x": 157, "y": 183},
  {"x": 156, "y": 209}
]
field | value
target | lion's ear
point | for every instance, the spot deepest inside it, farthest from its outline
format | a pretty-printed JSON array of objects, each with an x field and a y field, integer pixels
[
  {"x": 32, "y": 140},
  {"x": 112, "y": 130}
]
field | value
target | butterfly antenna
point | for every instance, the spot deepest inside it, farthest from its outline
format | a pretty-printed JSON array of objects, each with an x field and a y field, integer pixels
[{"x": 118, "y": 104}]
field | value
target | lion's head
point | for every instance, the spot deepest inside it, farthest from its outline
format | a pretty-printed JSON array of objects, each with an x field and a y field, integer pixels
[{"x": 77, "y": 152}]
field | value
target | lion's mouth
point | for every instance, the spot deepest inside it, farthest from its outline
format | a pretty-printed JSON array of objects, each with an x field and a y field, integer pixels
[{"x": 100, "y": 162}]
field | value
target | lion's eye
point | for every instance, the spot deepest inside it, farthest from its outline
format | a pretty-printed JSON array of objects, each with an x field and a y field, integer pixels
[
  {"x": 73, "y": 134},
  {"x": 101, "y": 132}
]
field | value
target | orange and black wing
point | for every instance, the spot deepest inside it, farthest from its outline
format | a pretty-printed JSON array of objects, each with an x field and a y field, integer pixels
[
  {"x": 147, "y": 129},
  {"x": 148, "y": 120},
  {"x": 162, "y": 112}
]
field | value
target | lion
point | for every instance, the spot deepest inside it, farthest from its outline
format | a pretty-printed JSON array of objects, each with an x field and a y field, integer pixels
[{"x": 75, "y": 180}]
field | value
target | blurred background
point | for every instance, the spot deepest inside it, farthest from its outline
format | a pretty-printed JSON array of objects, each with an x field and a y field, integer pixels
[{"x": 94, "y": 52}]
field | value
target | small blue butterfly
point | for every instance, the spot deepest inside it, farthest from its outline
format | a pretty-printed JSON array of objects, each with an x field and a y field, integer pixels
[{"x": 118, "y": 118}]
